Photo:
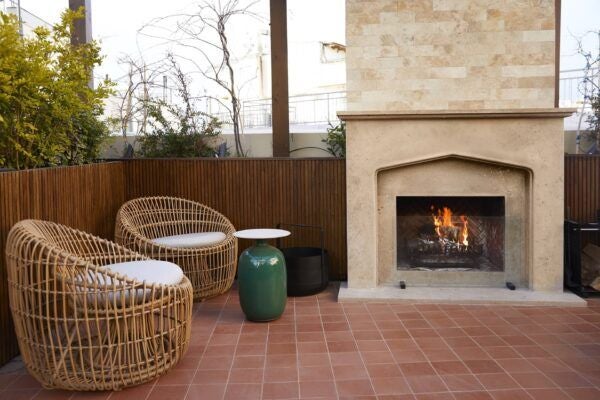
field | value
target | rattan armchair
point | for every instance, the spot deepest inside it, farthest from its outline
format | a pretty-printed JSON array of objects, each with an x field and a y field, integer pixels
[
  {"x": 81, "y": 326},
  {"x": 211, "y": 269}
]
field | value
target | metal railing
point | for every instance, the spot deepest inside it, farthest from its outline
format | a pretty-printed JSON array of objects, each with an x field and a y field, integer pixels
[
  {"x": 310, "y": 109},
  {"x": 573, "y": 85}
]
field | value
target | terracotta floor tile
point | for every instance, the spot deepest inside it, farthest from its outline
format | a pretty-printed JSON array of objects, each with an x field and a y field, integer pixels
[
  {"x": 483, "y": 366},
  {"x": 317, "y": 389},
  {"x": 205, "y": 392},
  {"x": 497, "y": 381},
  {"x": 215, "y": 362},
  {"x": 532, "y": 380},
  {"x": 583, "y": 393},
  {"x": 281, "y": 360},
  {"x": 254, "y": 349},
  {"x": 434, "y": 396},
  {"x": 374, "y": 351},
  {"x": 498, "y": 352},
  {"x": 511, "y": 394},
  {"x": 516, "y": 365},
  {"x": 210, "y": 376},
  {"x": 460, "y": 383},
  {"x": 390, "y": 386},
  {"x": 287, "y": 374},
  {"x": 548, "y": 394},
  {"x": 19, "y": 394},
  {"x": 568, "y": 379},
  {"x": 377, "y": 357},
  {"x": 371, "y": 345},
  {"x": 249, "y": 362},
  {"x": 408, "y": 356},
  {"x": 312, "y": 347},
  {"x": 356, "y": 387},
  {"x": 450, "y": 367},
  {"x": 49, "y": 394},
  {"x": 281, "y": 348},
  {"x": 280, "y": 391},
  {"x": 345, "y": 358},
  {"x": 426, "y": 384},
  {"x": 366, "y": 334},
  {"x": 308, "y": 359},
  {"x": 417, "y": 369},
  {"x": 246, "y": 375},
  {"x": 24, "y": 382},
  {"x": 440, "y": 355},
  {"x": 549, "y": 365},
  {"x": 471, "y": 353},
  {"x": 135, "y": 392},
  {"x": 476, "y": 395},
  {"x": 315, "y": 373},
  {"x": 431, "y": 343},
  {"x": 383, "y": 370},
  {"x": 243, "y": 391},
  {"x": 406, "y": 396},
  {"x": 348, "y": 372},
  {"x": 177, "y": 377},
  {"x": 171, "y": 392},
  {"x": 339, "y": 337},
  {"x": 460, "y": 341},
  {"x": 341, "y": 347},
  {"x": 285, "y": 337}
]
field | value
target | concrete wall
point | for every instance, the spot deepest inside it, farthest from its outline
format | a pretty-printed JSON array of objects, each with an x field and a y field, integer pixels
[
  {"x": 257, "y": 144},
  {"x": 450, "y": 54}
]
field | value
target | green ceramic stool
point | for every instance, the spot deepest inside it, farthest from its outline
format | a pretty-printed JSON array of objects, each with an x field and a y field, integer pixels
[{"x": 262, "y": 277}]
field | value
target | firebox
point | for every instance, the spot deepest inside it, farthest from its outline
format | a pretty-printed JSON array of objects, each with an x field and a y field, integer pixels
[{"x": 458, "y": 233}]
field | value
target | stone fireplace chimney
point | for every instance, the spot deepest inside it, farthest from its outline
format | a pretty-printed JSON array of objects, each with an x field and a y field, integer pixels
[{"x": 453, "y": 99}]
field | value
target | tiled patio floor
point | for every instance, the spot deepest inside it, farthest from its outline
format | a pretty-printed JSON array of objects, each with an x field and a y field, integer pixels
[{"x": 324, "y": 349}]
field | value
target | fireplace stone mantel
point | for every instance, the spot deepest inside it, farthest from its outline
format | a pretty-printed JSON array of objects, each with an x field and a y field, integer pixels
[
  {"x": 517, "y": 154},
  {"x": 456, "y": 114}
]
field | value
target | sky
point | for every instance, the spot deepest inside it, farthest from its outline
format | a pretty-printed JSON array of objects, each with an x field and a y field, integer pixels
[{"x": 116, "y": 22}]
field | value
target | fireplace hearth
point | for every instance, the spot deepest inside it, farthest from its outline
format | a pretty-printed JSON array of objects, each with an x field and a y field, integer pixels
[{"x": 450, "y": 233}]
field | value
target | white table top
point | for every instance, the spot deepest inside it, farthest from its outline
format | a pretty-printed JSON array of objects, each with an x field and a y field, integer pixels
[{"x": 261, "y": 234}]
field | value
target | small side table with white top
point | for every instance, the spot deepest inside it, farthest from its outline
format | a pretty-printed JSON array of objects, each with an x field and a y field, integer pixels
[{"x": 262, "y": 277}]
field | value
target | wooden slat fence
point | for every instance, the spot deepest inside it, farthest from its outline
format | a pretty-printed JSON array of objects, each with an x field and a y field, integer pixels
[
  {"x": 251, "y": 192},
  {"x": 255, "y": 193},
  {"x": 84, "y": 197},
  {"x": 582, "y": 191}
]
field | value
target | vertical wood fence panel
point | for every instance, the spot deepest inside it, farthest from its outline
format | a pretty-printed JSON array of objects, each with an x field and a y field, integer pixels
[
  {"x": 258, "y": 193},
  {"x": 582, "y": 191},
  {"x": 84, "y": 197}
]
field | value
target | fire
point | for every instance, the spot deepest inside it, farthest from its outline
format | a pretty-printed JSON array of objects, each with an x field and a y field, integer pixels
[{"x": 446, "y": 229}]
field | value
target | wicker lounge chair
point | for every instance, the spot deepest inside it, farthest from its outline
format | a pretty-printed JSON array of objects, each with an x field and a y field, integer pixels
[
  {"x": 81, "y": 321},
  {"x": 197, "y": 238}
]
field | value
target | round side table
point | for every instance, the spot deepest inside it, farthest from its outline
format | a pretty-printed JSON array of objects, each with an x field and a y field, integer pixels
[{"x": 262, "y": 277}]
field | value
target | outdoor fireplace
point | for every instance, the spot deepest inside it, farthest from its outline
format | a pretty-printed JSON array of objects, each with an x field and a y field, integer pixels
[
  {"x": 459, "y": 233},
  {"x": 454, "y": 150}
]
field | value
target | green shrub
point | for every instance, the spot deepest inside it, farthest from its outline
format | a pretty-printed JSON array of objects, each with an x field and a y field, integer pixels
[
  {"x": 48, "y": 113},
  {"x": 175, "y": 133},
  {"x": 336, "y": 140}
]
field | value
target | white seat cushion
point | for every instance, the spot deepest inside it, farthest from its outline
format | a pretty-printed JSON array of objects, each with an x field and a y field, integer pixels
[
  {"x": 150, "y": 271},
  {"x": 191, "y": 240},
  {"x": 99, "y": 291}
]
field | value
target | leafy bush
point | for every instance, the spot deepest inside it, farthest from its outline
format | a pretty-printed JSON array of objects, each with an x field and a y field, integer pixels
[
  {"x": 178, "y": 129},
  {"x": 177, "y": 134},
  {"x": 48, "y": 113},
  {"x": 336, "y": 140}
]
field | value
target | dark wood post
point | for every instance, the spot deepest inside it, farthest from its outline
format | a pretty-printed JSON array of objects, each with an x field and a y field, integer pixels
[
  {"x": 82, "y": 29},
  {"x": 279, "y": 79}
]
